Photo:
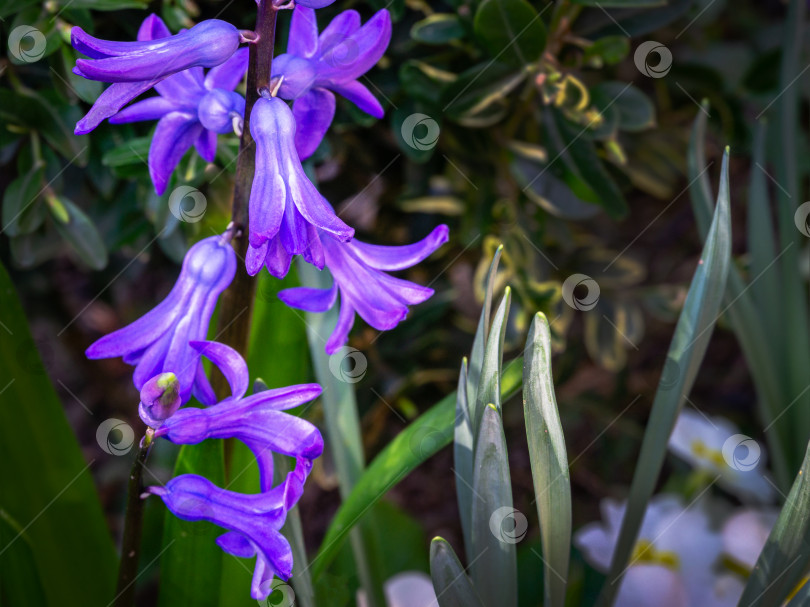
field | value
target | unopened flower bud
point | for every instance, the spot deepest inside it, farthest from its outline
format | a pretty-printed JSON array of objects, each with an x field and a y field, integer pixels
[{"x": 160, "y": 399}]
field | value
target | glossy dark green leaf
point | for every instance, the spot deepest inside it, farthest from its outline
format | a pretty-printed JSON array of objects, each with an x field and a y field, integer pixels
[
  {"x": 480, "y": 87},
  {"x": 47, "y": 485},
  {"x": 422, "y": 438},
  {"x": 439, "y": 28},
  {"x": 22, "y": 210},
  {"x": 635, "y": 110},
  {"x": 30, "y": 250},
  {"x": 135, "y": 151},
  {"x": 784, "y": 559},
  {"x": 549, "y": 460},
  {"x": 496, "y": 526},
  {"x": 511, "y": 30},
  {"x": 692, "y": 333},
  {"x": 549, "y": 192},
  {"x": 450, "y": 582},
  {"x": 609, "y": 50},
  {"x": 598, "y": 22},
  {"x": 44, "y": 113},
  {"x": 567, "y": 145},
  {"x": 78, "y": 231}
]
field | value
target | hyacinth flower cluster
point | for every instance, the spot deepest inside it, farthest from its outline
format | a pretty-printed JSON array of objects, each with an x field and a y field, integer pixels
[
  {"x": 259, "y": 421},
  {"x": 287, "y": 216}
]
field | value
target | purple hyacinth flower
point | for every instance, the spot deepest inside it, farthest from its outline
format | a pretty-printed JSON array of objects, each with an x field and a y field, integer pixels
[
  {"x": 286, "y": 211},
  {"x": 135, "y": 67},
  {"x": 315, "y": 66},
  {"x": 359, "y": 273},
  {"x": 191, "y": 109},
  {"x": 253, "y": 522},
  {"x": 258, "y": 421},
  {"x": 158, "y": 342}
]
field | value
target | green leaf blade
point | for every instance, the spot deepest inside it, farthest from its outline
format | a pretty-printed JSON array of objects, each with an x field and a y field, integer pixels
[
  {"x": 451, "y": 583},
  {"x": 549, "y": 460},
  {"x": 689, "y": 342}
]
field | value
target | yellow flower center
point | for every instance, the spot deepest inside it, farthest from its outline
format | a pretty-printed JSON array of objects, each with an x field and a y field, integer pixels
[
  {"x": 703, "y": 451},
  {"x": 646, "y": 553}
]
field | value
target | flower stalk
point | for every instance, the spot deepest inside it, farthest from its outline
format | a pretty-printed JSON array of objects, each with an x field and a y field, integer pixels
[
  {"x": 236, "y": 304},
  {"x": 133, "y": 526}
]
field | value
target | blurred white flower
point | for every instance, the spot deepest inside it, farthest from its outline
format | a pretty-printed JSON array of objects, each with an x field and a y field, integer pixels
[
  {"x": 744, "y": 535},
  {"x": 406, "y": 589},
  {"x": 673, "y": 561},
  {"x": 714, "y": 445}
]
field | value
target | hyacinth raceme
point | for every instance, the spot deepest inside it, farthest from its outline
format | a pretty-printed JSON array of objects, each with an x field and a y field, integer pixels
[
  {"x": 135, "y": 67},
  {"x": 286, "y": 211},
  {"x": 359, "y": 274},
  {"x": 191, "y": 109},
  {"x": 315, "y": 66},
  {"x": 258, "y": 421},
  {"x": 158, "y": 342}
]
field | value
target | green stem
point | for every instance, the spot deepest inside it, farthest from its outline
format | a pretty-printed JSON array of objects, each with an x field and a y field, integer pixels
[{"x": 133, "y": 526}]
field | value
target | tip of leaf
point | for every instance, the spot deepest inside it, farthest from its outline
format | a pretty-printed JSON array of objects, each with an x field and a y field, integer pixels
[
  {"x": 704, "y": 103},
  {"x": 438, "y": 538},
  {"x": 493, "y": 407},
  {"x": 499, "y": 249},
  {"x": 727, "y": 151}
]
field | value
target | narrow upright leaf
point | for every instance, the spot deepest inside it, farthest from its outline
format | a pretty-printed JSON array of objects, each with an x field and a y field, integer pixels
[
  {"x": 549, "y": 461},
  {"x": 698, "y": 317},
  {"x": 450, "y": 582},
  {"x": 429, "y": 433},
  {"x": 783, "y": 560},
  {"x": 757, "y": 345},
  {"x": 511, "y": 30},
  {"x": 496, "y": 526},
  {"x": 463, "y": 454},
  {"x": 480, "y": 341},
  {"x": 489, "y": 386}
]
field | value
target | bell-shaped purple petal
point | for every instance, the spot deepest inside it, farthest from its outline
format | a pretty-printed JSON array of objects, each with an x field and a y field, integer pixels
[
  {"x": 217, "y": 109},
  {"x": 359, "y": 95},
  {"x": 207, "y": 44},
  {"x": 313, "y": 114},
  {"x": 343, "y": 52},
  {"x": 303, "y": 40},
  {"x": 153, "y": 108},
  {"x": 180, "y": 91},
  {"x": 229, "y": 361},
  {"x": 285, "y": 208},
  {"x": 314, "y": 3},
  {"x": 354, "y": 55},
  {"x": 176, "y": 132},
  {"x": 256, "y": 518},
  {"x": 358, "y": 271},
  {"x": 158, "y": 342},
  {"x": 228, "y": 75}
]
